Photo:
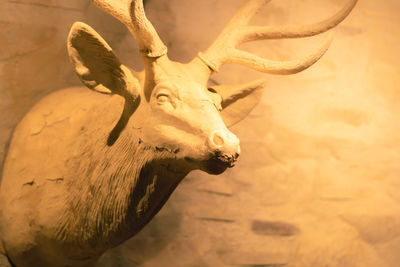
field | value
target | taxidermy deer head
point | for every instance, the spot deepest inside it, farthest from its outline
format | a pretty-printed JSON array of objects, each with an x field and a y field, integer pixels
[{"x": 183, "y": 114}]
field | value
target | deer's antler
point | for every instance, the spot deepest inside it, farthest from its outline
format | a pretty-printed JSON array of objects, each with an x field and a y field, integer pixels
[
  {"x": 131, "y": 13},
  {"x": 224, "y": 50}
]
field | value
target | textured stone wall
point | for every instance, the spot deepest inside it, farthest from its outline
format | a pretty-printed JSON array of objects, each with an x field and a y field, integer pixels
[{"x": 318, "y": 181}]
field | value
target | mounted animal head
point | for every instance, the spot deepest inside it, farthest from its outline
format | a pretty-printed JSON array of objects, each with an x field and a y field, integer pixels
[{"x": 179, "y": 111}]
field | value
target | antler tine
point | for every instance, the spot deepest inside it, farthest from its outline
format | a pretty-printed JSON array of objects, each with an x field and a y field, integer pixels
[
  {"x": 131, "y": 13},
  {"x": 223, "y": 50},
  {"x": 147, "y": 37},
  {"x": 252, "y": 33},
  {"x": 226, "y": 39},
  {"x": 117, "y": 9},
  {"x": 277, "y": 67}
]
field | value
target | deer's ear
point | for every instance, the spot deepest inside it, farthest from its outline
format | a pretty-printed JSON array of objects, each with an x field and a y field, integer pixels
[
  {"x": 97, "y": 65},
  {"x": 238, "y": 100}
]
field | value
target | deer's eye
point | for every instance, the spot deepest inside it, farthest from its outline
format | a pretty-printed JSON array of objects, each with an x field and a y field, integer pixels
[{"x": 162, "y": 98}]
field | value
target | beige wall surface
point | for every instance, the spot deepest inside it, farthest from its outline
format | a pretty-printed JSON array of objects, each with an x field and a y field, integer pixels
[{"x": 318, "y": 181}]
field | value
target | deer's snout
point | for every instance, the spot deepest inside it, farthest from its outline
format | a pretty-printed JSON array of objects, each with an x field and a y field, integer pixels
[{"x": 225, "y": 145}]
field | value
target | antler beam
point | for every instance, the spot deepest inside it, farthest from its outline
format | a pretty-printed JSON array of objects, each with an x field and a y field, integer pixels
[
  {"x": 131, "y": 13},
  {"x": 237, "y": 32}
]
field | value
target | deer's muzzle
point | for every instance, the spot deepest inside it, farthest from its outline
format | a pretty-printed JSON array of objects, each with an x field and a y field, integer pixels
[
  {"x": 225, "y": 144},
  {"x": 225, "y": 150}
]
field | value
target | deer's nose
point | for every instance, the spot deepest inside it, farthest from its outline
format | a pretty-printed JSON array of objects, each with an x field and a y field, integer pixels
[{"x": 225, "y": 142}]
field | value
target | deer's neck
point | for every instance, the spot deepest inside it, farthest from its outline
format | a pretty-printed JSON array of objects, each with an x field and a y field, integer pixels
[{"x": 117, "y": 189}]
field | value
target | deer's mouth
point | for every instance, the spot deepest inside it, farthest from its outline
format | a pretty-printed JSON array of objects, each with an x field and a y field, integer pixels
[
  {"x": 215, "y": 166},
  {"x": 225, "y": 158}
]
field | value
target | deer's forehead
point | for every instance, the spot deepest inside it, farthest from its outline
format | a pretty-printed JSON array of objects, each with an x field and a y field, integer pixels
[{"x": 182, "y": 85}]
